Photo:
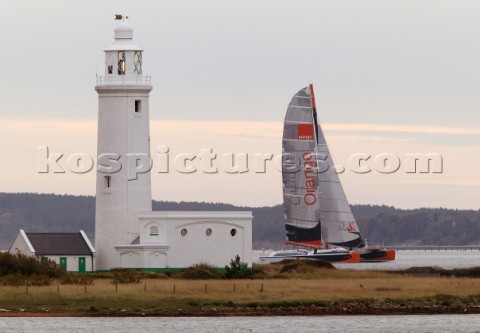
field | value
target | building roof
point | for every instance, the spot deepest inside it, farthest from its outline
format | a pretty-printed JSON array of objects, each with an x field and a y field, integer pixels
[
  {"x": 66, "y": 243},
  {"x": 136, "y": 241}
]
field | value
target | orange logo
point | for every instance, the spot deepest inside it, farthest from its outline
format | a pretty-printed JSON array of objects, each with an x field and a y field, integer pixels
[{"x": 305, "y": 131}]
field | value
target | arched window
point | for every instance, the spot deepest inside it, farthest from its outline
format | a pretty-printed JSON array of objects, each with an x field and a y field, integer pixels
[{"x": 153, "y": 230}]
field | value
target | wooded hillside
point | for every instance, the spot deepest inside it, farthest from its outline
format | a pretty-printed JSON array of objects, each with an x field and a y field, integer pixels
[{"x": 378, "y": 224}]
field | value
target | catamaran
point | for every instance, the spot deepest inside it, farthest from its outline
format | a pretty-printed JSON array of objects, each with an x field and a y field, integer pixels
[{"x": 317, "y": 213}]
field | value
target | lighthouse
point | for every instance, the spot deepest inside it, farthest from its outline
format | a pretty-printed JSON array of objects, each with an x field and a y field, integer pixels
[
  {"x": 128, "y": 234},
  {"x": 123, "y": 185}
]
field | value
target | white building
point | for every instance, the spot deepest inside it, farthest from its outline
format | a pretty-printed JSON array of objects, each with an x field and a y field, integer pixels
[
  {"x": 71, "y": 250},
  {"x": 127, "y": 232}
]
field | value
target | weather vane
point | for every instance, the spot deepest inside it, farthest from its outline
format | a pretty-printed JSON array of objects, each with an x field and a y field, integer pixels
[{"x": 120, "y": 17}]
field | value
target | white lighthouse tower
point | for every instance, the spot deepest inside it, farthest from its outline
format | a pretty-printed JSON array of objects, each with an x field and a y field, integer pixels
[
  {"x": 123, "y": 148},
  {"x": 128, "y": 233}
]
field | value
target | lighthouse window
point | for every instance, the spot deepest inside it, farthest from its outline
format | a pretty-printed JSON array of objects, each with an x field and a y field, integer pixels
[
  {"x": 122, "y": 69},
  {"x": 107, "y": 181},
  {"x": 154, "y": 230},
  {"x": 233, "y": 232},
  {"x": 138, "y": 106},
  {"x": 137, "y": 63},
  {"x": 183, "y": 232},
  {"x": 208, "y": 232},
  {"x": 110, "y": 69}
]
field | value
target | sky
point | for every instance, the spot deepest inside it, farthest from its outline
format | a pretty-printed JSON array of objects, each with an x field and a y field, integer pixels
[{"x": 390, "y": 77}]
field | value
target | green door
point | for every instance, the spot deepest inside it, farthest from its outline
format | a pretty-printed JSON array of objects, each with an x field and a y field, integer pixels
[
  {"x": 81, "y": 264},
  {"x": 63, "y": 263}
]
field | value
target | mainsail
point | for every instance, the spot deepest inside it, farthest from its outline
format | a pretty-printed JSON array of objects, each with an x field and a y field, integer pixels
[{"x": 316, "y": 208}]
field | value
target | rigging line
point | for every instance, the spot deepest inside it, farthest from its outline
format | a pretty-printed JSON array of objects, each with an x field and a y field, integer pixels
[{"x": 315, "y": 124}]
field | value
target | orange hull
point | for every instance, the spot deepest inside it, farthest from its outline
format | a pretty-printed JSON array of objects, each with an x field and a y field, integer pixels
[
  {"x": 354, "y": 258},
  {"x": 390, "y": 255},
  {"x": 377, "y": 255}
]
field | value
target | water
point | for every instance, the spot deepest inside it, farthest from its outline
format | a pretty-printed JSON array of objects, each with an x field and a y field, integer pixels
[
  {"x": 407, "y": 259},
  {"x": 330, "y": 324}
]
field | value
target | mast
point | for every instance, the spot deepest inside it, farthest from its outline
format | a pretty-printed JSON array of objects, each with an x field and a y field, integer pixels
[
  {"x": 315, "y": 151},
  {"x": 314, "y": 113}
]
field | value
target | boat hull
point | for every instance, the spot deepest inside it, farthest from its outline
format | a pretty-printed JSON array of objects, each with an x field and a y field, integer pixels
[
  {"x": 377, "y": 255},
  {"x": 346, "y": 257}
]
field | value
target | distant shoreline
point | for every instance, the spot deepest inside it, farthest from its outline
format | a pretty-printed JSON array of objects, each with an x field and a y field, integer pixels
[{"x": 380, "y": 224}]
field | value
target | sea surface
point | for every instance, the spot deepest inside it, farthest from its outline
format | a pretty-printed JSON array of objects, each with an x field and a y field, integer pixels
[
  {"x": 330, "y": 324},
  {"x": 405, "y": 259}
]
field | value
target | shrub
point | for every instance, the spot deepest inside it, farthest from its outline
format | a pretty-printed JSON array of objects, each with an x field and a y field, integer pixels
[
  {"x": 237, "y": 269},
  {"x": 22, "y": 265},
  {"x": 125, "y": 276},
  {"x": 39, "y": 280},
  {"x": 12, "y": 280},
  {"x": 80, "y": 279},
  {"x": 18, "y": 280},
  {"x": 200, "y": 272},
  {"x": 258, "y": 272},
  {"x": 116, "y": 273},
  {"x": 305, "y": 265}
]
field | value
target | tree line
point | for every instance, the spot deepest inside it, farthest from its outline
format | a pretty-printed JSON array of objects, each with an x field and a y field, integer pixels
[{"x": 378, "y": 224}]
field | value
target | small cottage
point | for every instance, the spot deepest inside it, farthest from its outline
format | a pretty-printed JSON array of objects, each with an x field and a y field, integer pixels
[{"x": 71, "y": 250}]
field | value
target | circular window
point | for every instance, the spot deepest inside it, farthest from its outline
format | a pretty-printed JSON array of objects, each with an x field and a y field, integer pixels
[
  {"x": 233, "y": 232},
  {"x": 208, "y": 232},
  {"x": 183, "y": 232}
]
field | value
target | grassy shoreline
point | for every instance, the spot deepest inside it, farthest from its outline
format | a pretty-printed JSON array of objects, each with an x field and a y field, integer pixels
[
  {"x": 216, "y": 309},
  {"x": 306, "y": 291}
]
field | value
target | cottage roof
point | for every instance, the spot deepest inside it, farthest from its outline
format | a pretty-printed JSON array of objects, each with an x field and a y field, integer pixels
[{"x": 64, "y": 243}]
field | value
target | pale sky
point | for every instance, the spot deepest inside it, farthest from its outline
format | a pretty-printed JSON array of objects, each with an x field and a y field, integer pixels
[{"x": 390, "y": 77}]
